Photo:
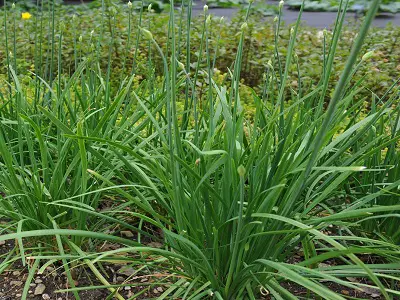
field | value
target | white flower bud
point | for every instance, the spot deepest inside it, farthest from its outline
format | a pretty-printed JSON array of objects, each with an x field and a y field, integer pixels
[
  {"x": 281, "y": 3},
  {"x": 130, "y": 4},
  {"x": 149, "y": 7},
  {"x": 80, "y": 39},
  {"x": 244, "y": 26},
  {"x": 221, "y": 20},
  {"x": 205, "y": 8},
  {"x": 276, "y": 19},
  {"x": 13, "y": 6}
]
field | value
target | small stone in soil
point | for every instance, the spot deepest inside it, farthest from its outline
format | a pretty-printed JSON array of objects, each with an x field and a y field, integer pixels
[
  {"x": 120, "y": 279},
  {"x": 16, "y": 282},
  {"x": 2, "y": 243},
  {"x": 45, "y": 296},
  {"x": 155, "y": 245},
  {"x": 160, "y": 289},
  {"x": 16, "y": 273},
  {"x": 32, "y": 284},
  {"x": 127, "y": 288},
  {"x": 39, "y": 290},
  {"x": 38, "y": 281},
  {"x": 127, "y": 271},
  {"x": 127, "y": 234},
  {"x": 155, "y": 291}
]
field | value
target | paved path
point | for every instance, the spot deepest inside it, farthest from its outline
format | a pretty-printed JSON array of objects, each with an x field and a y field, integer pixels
[{"x": 313, "y": 19}]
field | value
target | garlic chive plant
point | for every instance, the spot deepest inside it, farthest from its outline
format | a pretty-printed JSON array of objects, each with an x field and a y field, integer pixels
[{"x": 231, "y": 198}]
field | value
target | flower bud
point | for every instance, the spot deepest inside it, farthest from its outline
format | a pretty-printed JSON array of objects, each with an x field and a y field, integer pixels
[
  {"x": 113, "y": 11},
  {"x": 221, "y": 20},
  {"x": 281, "y": 4},
  {"x": 276, "y": 19},
  {"x": 130, "y": 4},
  {"x": 181, "y": 66},
  {"x": 13, "y": 6},
  {"x": 368, "y": 55},
  {"x": 149, "y": 7},
  {"x": 241, "y": 171},
  {"x": 147, "y": 34},
  {"x": 205, "y": 8},
  {"x": 91, "y": 33},
  {"x": 244, "y": 26},
  {"x": 208, "y": 20},
  {"x": 80, "y": 39},
  {"x": 291, "y": 30},
  {"x": 325, "y": 32}
]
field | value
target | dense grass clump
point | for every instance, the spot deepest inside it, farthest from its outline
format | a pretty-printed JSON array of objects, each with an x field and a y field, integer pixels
[{"x": 163, "y": 146}]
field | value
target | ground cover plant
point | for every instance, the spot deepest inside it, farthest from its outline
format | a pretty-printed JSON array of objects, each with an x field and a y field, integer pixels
[
  {"x": 83, "y": 30},
  {"x": 157, "y": 165}
]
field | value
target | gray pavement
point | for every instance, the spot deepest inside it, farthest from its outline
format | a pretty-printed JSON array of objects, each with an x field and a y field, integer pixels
[{"x": 313, "y": 19}]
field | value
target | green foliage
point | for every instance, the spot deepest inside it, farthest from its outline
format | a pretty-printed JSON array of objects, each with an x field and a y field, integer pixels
[{"x": 139, "y": 125}]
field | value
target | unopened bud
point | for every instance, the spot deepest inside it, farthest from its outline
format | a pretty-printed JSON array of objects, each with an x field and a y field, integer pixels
[
  {"x": 276, "y": 19},
  {"x": 221, "y": 20},
  {"x": 244, "y": 26},
  {"x": 147, "y": 34},
  {"x": 368, "y": 55},
  {"x": 181, "y": 66},
  {"x": 130, "y": 4},
  {"x": 149, "y": 7},
  {"x": 291, "y": 30},
  {"x": 197, "y": 161},
  {"x": 80, "y": 39},
  {"x": 205, "y": 8},
  {"x": 91, "y": 33},
  {"x": 325, "y": 32},
  {"x": 281, "y": 3},
  {"x": 113, "y": 11},
  {"x": 241, "y": 171},
  {"x": 13, "y": 6},
  {"x": 208, "y": 20}
]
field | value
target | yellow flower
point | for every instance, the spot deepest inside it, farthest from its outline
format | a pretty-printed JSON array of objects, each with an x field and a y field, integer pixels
[{"x": 26, "y": 16}]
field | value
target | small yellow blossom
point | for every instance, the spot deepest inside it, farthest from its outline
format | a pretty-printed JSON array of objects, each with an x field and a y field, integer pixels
[{"x": 26, "y": 16}]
